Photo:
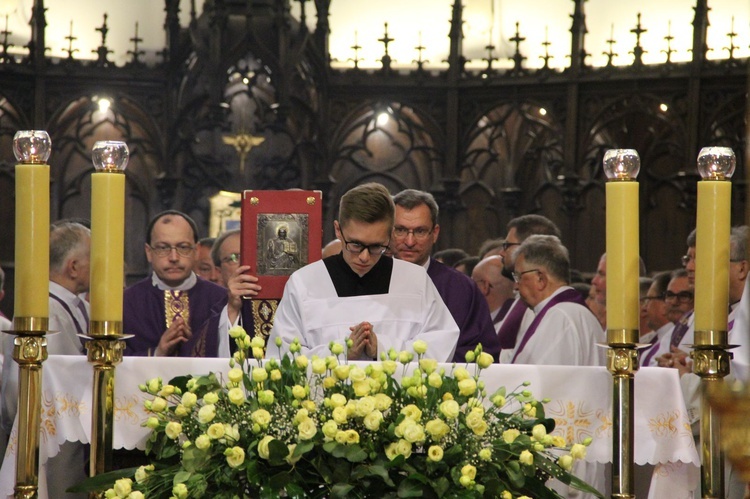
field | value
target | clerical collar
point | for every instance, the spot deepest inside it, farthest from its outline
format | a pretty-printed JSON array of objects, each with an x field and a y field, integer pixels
[
  {"x": 541, "y": 304},
  {"x": 186, "y": 284},
  {"x": 347, "y": 283},
  {"x": 62, "y": 292}
]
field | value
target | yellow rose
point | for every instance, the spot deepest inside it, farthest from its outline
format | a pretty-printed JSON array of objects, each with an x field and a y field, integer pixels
[
  {"x": 449, "y": 409},
  {"x": 357, "y": 374},
  {"x": 351, "y": 436},
  {"x": 261, "y": 416},
  {"x": 235, "y": 375},
  {"x": 419, "y": 347},
  {"x": 389, "y": 367},
  {"x": 123, "y": 486},
  {"x": 539, "y": 432},
  {"x": 529, "y": 410},
  {"x": 578, "y": 451},
  {"x": 299, "y": 392},
  {"x": 203, "y": 442},
  {"x": 405, "y": 357},
  {"x": 237, "y": 332},
  {"x": 467, "y": 387},
  {"x": 235, "y": 456},
  {"x": 474, "y": 419},
  {"x": 154, "y": 385},
  {"x": 152, "y": 423},
  {"x": 435, "y": 380},
  {"x": 404, "y": 448},
  {"x": 412, "y": 411},
  {"x": 207, "y": 413},
  {"x": 340, "y": 437},
  {"x": 141, "y": 474},
  {"x": 558, "y": 441},
  {"x": 258, "y": 353},
  {"x": 307, "y": 429},
  {"x": 329, "y": 382},
  {"x": 331, "y": 362},
  {"x": 485, "y": 360},
  {"x": 465, "y": 481},
  {"x": 435, "y": 453},
  {"x": 301, "y": 361},
  {"x": 372, "y": 420},
  {"x": 259, "y": 374},
  {"x": 469, "y": 471},
  {"x": 414, "y": 433},
  {"x": 290, "y": 458},
  {"x": 361, "y": 388},
  {"x": 391, "y": 451},
  {"x": 173, "y": 430},
  {"x": 509, "y": 436},
  {"x": 526, "y": 457},
  {"x": 309, "y": 405},
  {"x": 265, "y": 397},
  {"x": 342, "y": 371},
  {"x": 158, "y": 404},
  {"x": 263, "y": 446},
  {"x": 506, "y": 495},
  {"x": 337, "y": 400},
  {"x": 318, "y": 366},
  {"x": 189, "y": 400},
  {"x": 330, "y": 428},
  {"x": 461, "y": 374},
  {"x": 215, "y": 431},
  {"x": 428, "y": 365},
  {"x": 166, "y": 391},
  {"x": 364, "y": 406},
  {"x": 437, "y": 428},
  {"x": 236, "y": 396},
  {"x": 136, "y": 494},
  {"x": 565, "y": 462},
  {"x": 382, "y": 401},
  {"x": 485, "y": 454},
  {"x": 498, "y": 400},
  {"x": 180, "y": 411},
  {"x": 339, "y": 415},
  {"x": 336, "y": 348}
]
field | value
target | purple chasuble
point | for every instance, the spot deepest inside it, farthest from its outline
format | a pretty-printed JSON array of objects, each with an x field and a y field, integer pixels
[
  {"x": 679, "y": 330},
  {"x": 566, "y": 296},
  {"x": 144, "y": 316},
  {"x": 503, "y": 311},
  {"x": 511, "y": 326},
  {"x": 468, "y": 308}
]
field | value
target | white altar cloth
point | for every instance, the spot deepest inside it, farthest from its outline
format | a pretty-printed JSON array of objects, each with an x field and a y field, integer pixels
[{"x": 580, "y": 403}]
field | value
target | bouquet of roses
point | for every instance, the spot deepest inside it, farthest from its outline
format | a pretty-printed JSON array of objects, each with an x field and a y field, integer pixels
[{"x": 323, "y": 427}]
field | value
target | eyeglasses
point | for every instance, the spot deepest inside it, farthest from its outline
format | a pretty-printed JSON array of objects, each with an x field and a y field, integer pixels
[
  {"x": 418, "y": 233},
  {"x": 686, "y": 259},
  {"x": 356, "y": 248},
  {"x": 682, "y": 296},
  {"x": 507, "y": 245},
  {"x": 162, "y": 250},
  {"x": 517, "y": 275},
  {"x": 231, "y": 258},
  {"x": 646, "y": 298}
]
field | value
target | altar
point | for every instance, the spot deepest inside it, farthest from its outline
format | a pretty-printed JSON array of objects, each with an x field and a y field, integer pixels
[{"x": 580, "y": 403}]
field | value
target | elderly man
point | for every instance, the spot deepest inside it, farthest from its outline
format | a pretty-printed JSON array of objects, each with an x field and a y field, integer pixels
[
  {"x": 204, "y": 267},
  {"x": 519, "y": 317},
  {"x": 654, "y": 306},
  {"x": 415, "y": 232},
  {"x": 564, "y": 331},
  {"x": 497, "y": 290},
  {"x": 362, "y": 295},
  {"x": 173, "y": 312}
]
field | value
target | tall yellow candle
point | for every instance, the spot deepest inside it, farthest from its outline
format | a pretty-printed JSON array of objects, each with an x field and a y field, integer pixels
[
  {"x": 107, "y": 235},
  {"x": 716, "y": 165},
  {"x": 32, "y": 149},
  {"x": 621, "y": 167}
]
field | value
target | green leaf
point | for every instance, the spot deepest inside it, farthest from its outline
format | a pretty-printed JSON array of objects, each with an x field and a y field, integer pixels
[
  {"x": 102, "y": 481},
  {"x": 355, "y": 454},
  {"x": 181, "y": 477},
  {"x": 341, "y": 490},
  {"x": 372, "y": 470},
  {"x": 195, "y": 459},
  {"x": 277, "y": 451},
  {"x": 411, "y": 488}
]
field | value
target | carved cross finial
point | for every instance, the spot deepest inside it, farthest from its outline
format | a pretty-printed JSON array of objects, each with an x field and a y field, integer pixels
[
  {"x": 102, "y": 51},
  {"x": 135, "y": 52},
  {"x": 70, "y": 50},
  {"x": 611, "y": 54},
  {"x": 356, "y": 48},
  {"x": 5, "y": 57},
  {"x": 546, "y": 44},
  {"x": 638, "y": 50},
  {"x": 732, "y": 47},
  {"x": 669, "y": 50},
  {"x": 420, "y": 48},
  {"x": 386, "y": 59},
  {"x": 517, "y": 57}
]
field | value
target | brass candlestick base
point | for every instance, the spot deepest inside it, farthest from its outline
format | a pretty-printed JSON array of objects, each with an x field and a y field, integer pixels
[
  {"x": 622, "y": 363},
  {"x": 711, "y": 363},
  {"x": 29, "y": 352},
  {"x": 104, "y": 352}
]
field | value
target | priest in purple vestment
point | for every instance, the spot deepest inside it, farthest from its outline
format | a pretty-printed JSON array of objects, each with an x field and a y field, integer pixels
[
  {"x": 415, "y": 232},
  {"x": 173, "y": 312}
]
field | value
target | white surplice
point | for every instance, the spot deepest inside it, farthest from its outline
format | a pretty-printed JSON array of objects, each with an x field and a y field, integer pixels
[{"x": 412, "y": 310}]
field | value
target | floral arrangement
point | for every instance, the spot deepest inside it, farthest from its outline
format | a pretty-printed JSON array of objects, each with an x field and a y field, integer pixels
[{"x": 321, "y": 427}]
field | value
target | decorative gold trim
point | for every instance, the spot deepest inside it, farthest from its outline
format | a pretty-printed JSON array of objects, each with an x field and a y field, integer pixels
[
  {"x": 105, "y": 328},
  {"x": 111, "y": 169},
  {"x": 30, "y": 324},
  {"x": 622, "y": 179},
  {"x": 311, "y": 201},
  {"x": 622, "y": 337},
  {"x": 711, "y": 337},
  {"x": 254, "y": 201}
]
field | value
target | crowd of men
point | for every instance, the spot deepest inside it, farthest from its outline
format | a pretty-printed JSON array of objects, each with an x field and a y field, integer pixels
[{"x": 381, "y": 285}]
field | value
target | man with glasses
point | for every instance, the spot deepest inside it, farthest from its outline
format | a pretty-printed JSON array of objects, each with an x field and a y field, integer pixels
[
  {"x": 415, "y": 232},
  {"x": 498, "y": 292},
  {"x": 172, "y": 312},
  {"x": 519, "y": 316},
  {"x": 679, "y": 301},
  {"x": 657, "y": 318},
  {"x": 361, "y": 294},
  {"x": 204, "y": 266}
]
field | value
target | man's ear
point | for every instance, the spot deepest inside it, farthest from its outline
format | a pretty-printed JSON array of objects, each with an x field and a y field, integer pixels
[{"x": 337, "y": 230}]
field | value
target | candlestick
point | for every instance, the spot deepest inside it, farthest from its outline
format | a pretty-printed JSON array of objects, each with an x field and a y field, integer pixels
[
  {"x": 107, "y": 236},
  {"x": 621, "y": 167},
  {"x": 32, "y": 149},
  {"x": 716, "y": 165}
]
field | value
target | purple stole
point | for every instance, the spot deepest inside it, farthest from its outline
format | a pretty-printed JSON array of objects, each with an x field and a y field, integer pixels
[
  {"x": 651, "y": 351},
  {"x": 79, "y": 329},
  {"x": 569, "y": 296},
  {"x": 500, "y": 315},
  {"x": 679, "y": 330},
  {"x": 512, "y": 325}
]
